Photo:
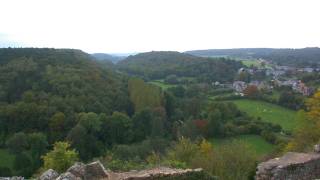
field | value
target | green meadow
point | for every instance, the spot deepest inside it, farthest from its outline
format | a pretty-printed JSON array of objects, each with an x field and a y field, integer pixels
[
  {"x": 269, "y": 112},
  {"x": 249, "y": 63},
  {"x": 161, "y": 84}
]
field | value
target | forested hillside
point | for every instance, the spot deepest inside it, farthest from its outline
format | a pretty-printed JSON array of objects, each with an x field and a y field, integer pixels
[
  {"x": 294, "y": 57},
  {"x": 52, "y": 75},
  {"x": 44, "y": 93},
  {"x": 158, "y": 65}
]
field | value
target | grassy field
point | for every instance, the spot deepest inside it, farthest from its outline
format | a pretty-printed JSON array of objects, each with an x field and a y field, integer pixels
[
  {"x": 257, "y": 143},
  {"x": 249, "y": 63},
  {"x": 162, "y": 84},
  {"x": 268, "y": 112},
  {"x": 253, "y": 62},
  {"x": 220, "y": 95},
  {"x": 6, "y": 159}
]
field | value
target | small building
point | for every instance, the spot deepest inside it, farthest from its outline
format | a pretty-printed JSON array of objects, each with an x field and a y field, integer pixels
[
  {"x": 260, "y": 85},
  {"x": 239, "y": 86},
  {"x": 300, "y": 87},
  {"x": 308, "y": 70}
]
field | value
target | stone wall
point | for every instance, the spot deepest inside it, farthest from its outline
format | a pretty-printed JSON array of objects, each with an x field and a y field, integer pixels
[{"x": 293, "y": 166}]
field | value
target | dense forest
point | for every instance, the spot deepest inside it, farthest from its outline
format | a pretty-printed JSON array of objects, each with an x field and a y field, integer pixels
[
  {"x": 292, "y": 57},
  {"x": 58, "y": 106},
  {"x": 44, "y": 93},
  {"x": 158, "y": 65}
]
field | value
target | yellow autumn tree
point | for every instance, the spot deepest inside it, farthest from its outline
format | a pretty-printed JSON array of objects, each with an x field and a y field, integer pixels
[
  {"x": 204, "y": 156},
  {"x": 313, "y": 107},
  {"x": 205, "y": 147},
  {"x": 308, "y": 132}
]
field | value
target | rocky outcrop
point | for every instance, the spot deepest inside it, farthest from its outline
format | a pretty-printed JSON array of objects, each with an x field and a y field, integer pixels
[
  {"x": 49, "y": 174},
  {"x": 78, "y": 169},
  {"x": 12, "y": 178},
  {"x": 67, "y": 176},
  {"x": 159, "y": 173},
  {"x": 293, "y": 166},
  {"x": 96, "y": 171}
]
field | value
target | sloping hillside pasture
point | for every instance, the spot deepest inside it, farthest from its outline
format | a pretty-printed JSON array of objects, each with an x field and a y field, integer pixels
[
  {"x": 249, "y": 63},
  {"x": 269, "y": 112}
]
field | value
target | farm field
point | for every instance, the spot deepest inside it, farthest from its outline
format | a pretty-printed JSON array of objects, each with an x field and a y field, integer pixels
[
  {"x": 249, "y": 63},
  {"x": 6, "y": 159},
  {"x": 269, "y": 112},
  {"x": 220, "y": 95},
  {"x": 162, "y": 84},
  {"x": 253, "y": 62},
  {"x": 257, "y": 143}
]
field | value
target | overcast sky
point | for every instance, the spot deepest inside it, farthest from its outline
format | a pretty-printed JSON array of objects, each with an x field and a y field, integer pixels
[{"x": 120, "y": 26}]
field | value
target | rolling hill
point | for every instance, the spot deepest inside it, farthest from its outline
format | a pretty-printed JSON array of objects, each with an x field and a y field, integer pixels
[
  {"x": 107, "y": 57},
  {"x": 159, "y": 64},
  {"x": 294, "y": 57},
  {"x": 37, "y": 83}
]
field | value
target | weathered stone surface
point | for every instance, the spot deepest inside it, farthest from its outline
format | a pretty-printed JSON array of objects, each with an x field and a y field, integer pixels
[
  {"x": 50, "y": 174},
  {"x": 156, "y": 173},
  {"x": 12, "y": 178},
  {"x": 293, "y": 166},
  {"x": 67, "y": 176},
  {"x": 78, "y": 169},
  {"x": 95, "y": 171},
  {"x": 17, "y": 178}
]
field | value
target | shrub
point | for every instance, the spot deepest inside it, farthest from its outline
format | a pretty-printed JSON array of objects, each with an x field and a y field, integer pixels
[
  {"x": 269, "y": 136},
  {"x": 183, "y": 151},
  {"x": 235, "y": 160},
  {"x": 5, "y": 172},
  {"x": 23, "y": 165},
  {"x": 60, "y": 158}
]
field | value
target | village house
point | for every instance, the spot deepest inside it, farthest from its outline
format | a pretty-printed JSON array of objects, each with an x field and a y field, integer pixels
[
  {"x": 300, "y": 87},
  {"x": 296, "y": 85},
  {"x": 290, "y": 82},
  {"x": 260, "y": 85},
  {"x": 307, "y": 70},
  {"x": 275, "y": 73},
  {"x": 239, "y": 86},
  {"x": 285, "y": 68}
]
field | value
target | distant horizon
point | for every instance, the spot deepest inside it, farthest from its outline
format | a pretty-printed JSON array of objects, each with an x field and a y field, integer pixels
[{"x": 133, "y": 53}]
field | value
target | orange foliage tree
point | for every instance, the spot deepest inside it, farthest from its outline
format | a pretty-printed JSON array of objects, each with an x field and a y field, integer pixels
[{"x": 251, "y": 91}]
